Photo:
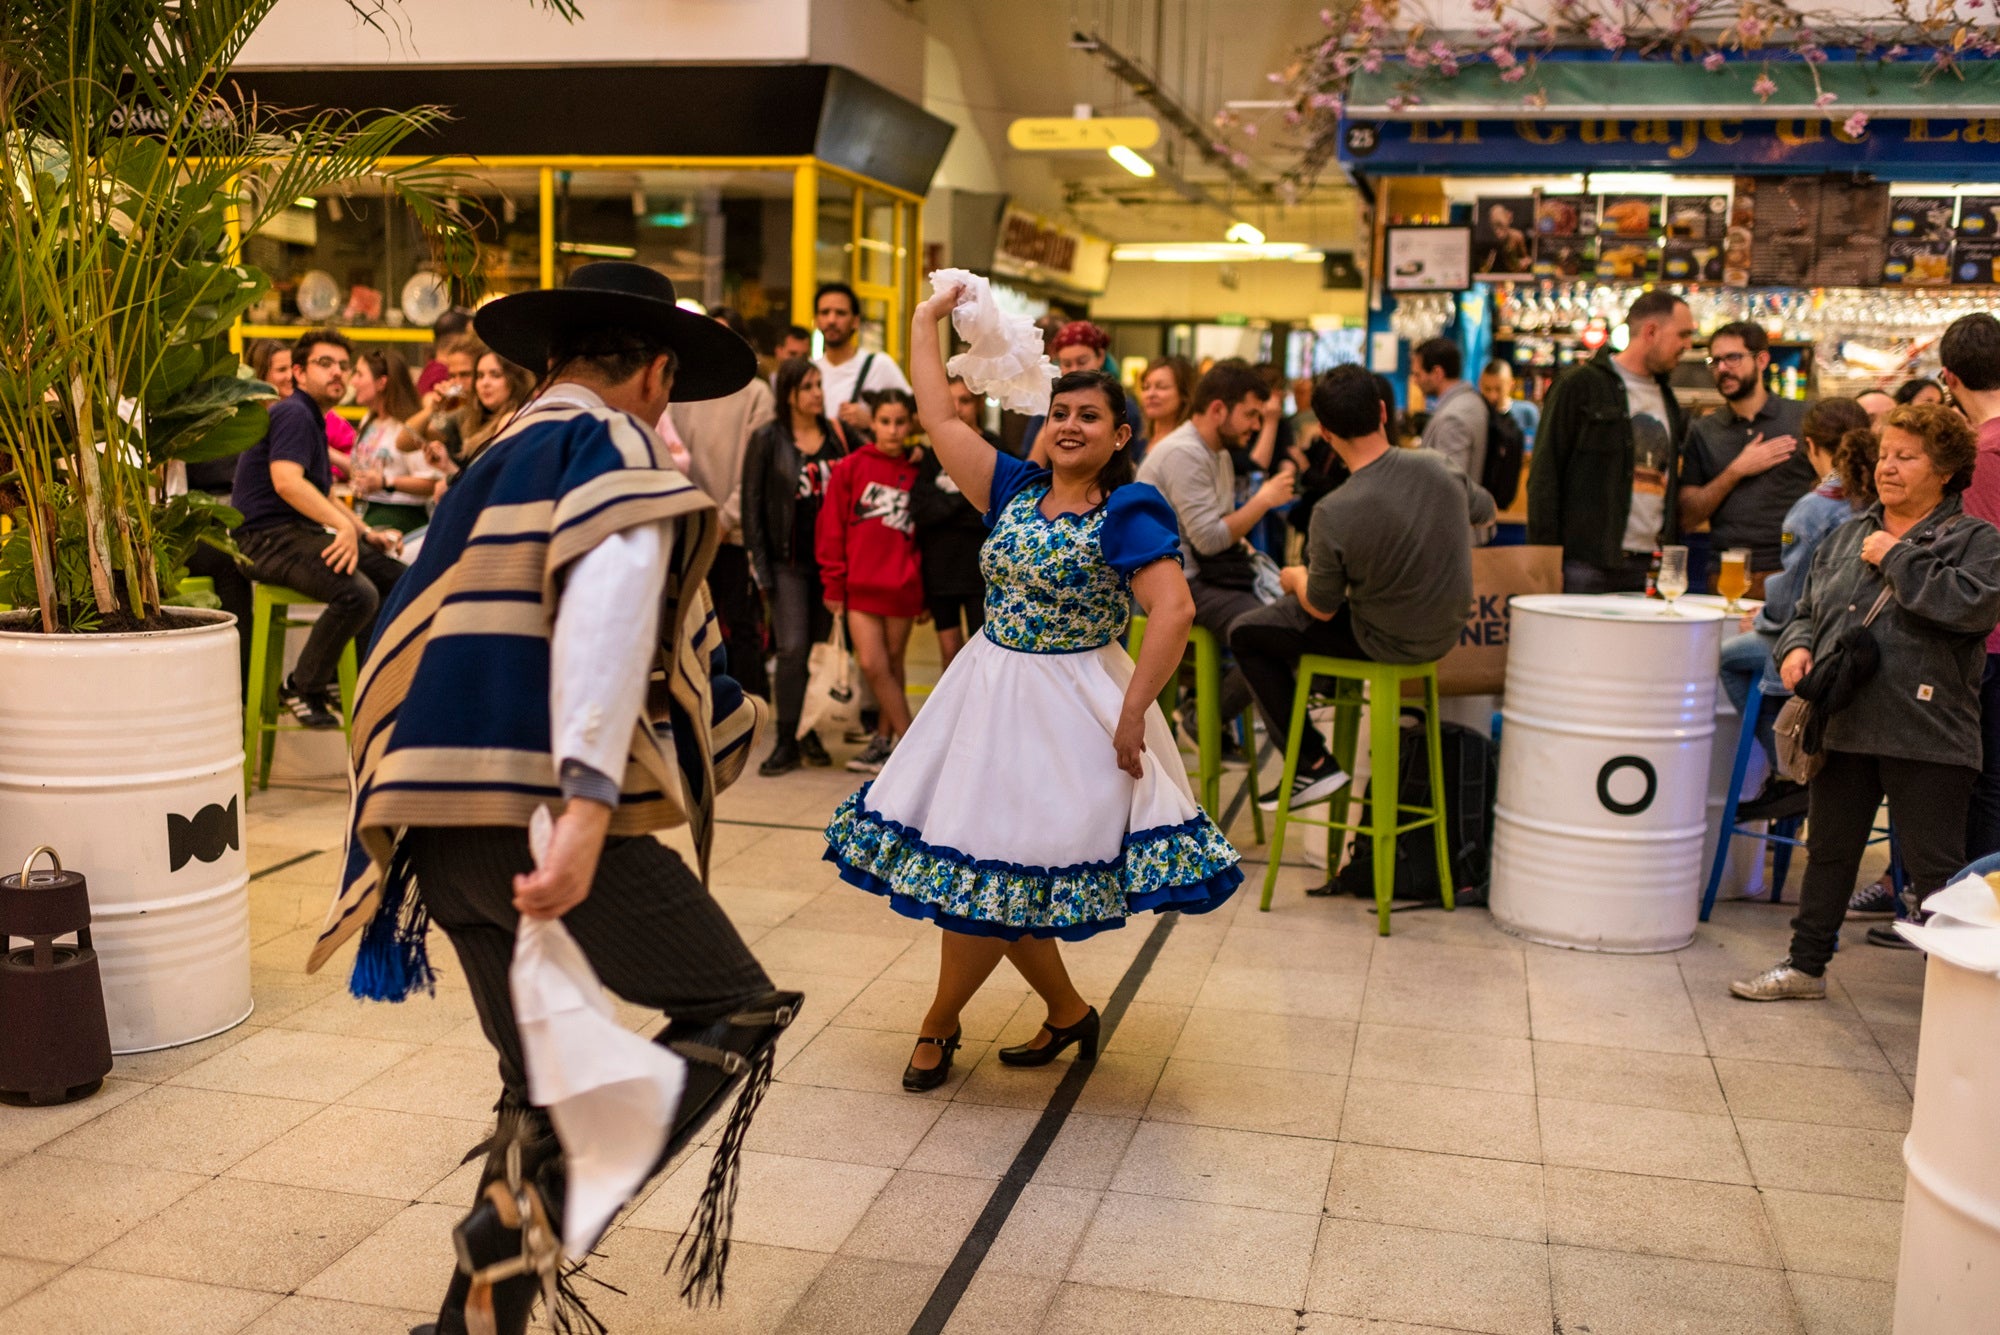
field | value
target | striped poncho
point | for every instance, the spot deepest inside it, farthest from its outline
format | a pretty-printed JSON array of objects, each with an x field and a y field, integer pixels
[{"x": 451, "y": 721}]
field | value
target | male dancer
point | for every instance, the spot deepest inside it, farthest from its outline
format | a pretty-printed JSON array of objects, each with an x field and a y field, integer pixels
[{"x": 553, "y": 647}]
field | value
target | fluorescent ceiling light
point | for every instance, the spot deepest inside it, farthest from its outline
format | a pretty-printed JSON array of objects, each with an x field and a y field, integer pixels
[
  {"x": 1129, "y": 160},
  {"x": 1245, "y": 233},
  {"x": 1215, "y": 252},
  {"x": 596, "y": 251}
]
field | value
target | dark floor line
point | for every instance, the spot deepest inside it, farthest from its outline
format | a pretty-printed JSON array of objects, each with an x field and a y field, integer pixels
[
  {"x": 958, "y": 1275},
  {"x": 288, "y": 862}
]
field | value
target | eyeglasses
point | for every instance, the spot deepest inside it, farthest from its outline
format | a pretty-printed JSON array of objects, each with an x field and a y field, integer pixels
[
  {"x": 332, "y": 364},
  {"x": 1729, "y": 357}
]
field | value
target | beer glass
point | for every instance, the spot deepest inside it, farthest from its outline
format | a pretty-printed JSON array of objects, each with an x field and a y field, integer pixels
[
  {"x": 1673, "y": 578},
  {"x": 1733, "y": 579}
]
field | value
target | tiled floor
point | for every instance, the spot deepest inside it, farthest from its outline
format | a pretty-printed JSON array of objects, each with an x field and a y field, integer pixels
[{"x": 1299, "y": 1127}]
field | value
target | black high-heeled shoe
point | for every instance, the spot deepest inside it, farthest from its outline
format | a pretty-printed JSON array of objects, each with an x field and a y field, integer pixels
[
  {"x": 917, "y": 1080},
  {"x": 1083, "y": 1033}
]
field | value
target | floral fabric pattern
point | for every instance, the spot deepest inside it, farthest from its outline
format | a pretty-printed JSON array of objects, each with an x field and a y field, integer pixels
[
  {"x": 1189, "y": 867},
  {"x": 1048, "y": 587}
]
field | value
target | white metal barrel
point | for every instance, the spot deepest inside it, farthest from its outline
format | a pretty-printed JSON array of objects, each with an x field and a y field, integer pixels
[
  {"x": 1604, "y": 771},
  {"x": 1948, "y": 1280},
  {"x": 125, "y": 753}
]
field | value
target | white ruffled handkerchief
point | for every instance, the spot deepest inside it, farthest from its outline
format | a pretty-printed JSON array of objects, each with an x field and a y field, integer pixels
[
  {"x": 1006, "y": 359},
  {"x": 1962, "y": 925}
]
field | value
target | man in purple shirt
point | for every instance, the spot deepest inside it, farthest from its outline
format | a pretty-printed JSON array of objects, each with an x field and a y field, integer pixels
[
  {"x": 1970, "y": 351},
  {"x": 297, "y": 536}
]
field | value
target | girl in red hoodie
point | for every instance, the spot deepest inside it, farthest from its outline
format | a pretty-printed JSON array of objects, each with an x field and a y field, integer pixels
[{"x": 868, "y": 563}]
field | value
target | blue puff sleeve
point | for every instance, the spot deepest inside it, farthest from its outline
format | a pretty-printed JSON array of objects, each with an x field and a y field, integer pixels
[
  {"x": 1010, "y": 475},
  {"x": 1139, "y": 529}
]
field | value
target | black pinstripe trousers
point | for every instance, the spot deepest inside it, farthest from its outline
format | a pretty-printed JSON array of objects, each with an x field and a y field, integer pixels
[{"x": 648, "y": 927}]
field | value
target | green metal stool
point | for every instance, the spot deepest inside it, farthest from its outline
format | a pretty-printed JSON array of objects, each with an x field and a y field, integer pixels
[
  {"x": 1208, "y": 721},
  {"x": 267, "y": 669},
  {"x": 1384, "y": 684}
]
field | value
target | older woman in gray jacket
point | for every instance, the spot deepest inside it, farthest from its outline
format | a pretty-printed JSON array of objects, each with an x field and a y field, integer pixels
[{"x": 1911, "y": 731}]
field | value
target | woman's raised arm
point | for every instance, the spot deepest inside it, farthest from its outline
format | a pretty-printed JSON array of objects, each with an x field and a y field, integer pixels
[{"x": 963, "y": 451}]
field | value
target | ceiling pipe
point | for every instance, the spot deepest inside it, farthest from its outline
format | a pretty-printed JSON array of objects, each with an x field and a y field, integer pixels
[{"x": 1172, "y": 112}]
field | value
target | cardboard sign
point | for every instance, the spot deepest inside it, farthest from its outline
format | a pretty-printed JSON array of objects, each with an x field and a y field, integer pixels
[{"x": 1477, "y": 664}]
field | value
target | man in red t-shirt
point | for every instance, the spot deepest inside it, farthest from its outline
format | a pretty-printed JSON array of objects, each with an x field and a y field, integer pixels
[{"x": 1970, "y": 351}]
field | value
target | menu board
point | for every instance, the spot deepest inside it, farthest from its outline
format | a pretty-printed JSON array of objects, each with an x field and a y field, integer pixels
[
  {"x": 1783, "y": 230},
  {"x": 1565, "y": 256},
  {"x": 1975, "y": 262},
  {"x": 1500, "y": 236},
  {"x": 1853, "y": 219},
  {"x": 1566, "y": 215},
  {"x": 1429, "y": 259},
  {"x": 1920, "y": 217},
  {"x": 1698, "y": 261},
  {"x": 1629, "y": 215},
  {"x": 1917, "y": 263},
  {"x": 1978, "y": 216},
  {"x": 1697, "y": 217}
]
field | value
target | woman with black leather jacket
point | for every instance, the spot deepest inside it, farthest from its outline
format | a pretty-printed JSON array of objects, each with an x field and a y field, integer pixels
[
  {"x": 785, "y": 471},
  {"x": 1910, "y": 728}
]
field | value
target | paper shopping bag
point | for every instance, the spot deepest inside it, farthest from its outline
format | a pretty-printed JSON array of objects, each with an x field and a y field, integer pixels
[
  {"x": 1477, "y": 664},
  {"x": 831, "y": 700},
  {"x": 611, "y": 1094}
]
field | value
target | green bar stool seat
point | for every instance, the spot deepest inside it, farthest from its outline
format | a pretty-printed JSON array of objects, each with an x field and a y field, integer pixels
[
  {"x": 1208, "y": 721},
  {"x": 1383, "y": 684},
  {"x": 269, "y": 623}
]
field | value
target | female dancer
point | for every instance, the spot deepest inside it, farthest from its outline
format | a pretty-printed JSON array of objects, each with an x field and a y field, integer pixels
[{"x": 1039, "y": 796}]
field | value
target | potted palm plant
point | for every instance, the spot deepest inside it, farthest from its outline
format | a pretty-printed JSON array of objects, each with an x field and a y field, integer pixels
[{"x": 128, "y": 172}]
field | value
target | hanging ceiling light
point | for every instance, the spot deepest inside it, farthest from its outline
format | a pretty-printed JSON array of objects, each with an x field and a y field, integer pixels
[
  {"x": 1244, "y": 233},
  {"x": 1130, "y": 160}
]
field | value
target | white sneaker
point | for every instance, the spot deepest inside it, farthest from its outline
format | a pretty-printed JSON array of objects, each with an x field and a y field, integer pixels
[{"x": 1781, "y": 982}]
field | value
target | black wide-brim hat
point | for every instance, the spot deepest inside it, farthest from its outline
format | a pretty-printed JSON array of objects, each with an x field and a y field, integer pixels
[{"x": 710, "y": 360}]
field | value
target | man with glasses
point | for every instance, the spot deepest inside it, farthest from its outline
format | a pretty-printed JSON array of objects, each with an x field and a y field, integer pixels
[
  {"x": 1741, "y": 467},
  {"x": 297, "y": 537}
]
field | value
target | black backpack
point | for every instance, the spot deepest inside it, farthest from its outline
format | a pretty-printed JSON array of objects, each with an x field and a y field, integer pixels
[
  {"x": 1471, "y": 773},
  {"x": 1506, "y": 447}
]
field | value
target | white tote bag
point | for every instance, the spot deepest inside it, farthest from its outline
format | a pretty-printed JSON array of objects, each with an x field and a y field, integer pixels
[{"x": 831, "y": 700}]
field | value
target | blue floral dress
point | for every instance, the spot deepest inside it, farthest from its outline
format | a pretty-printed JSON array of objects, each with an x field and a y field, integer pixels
[{"x": 1004, "y": 812}]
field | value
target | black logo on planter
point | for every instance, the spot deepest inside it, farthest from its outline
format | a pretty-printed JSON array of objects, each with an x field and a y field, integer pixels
[
  {"x": 1362, "y": 138},
  {"x": 204, "y": 836},
  {"x": 1646, "y": 771}
]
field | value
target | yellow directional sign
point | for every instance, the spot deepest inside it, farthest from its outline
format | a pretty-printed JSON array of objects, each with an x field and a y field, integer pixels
[{"x": 1059, "y": 132}]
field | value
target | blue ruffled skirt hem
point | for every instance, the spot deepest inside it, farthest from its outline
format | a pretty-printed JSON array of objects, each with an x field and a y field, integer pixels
[{"x": 1187, "y": 868}]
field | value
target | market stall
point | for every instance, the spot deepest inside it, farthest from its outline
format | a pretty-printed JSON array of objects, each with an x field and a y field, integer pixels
[{"x": 750, "y": 186}]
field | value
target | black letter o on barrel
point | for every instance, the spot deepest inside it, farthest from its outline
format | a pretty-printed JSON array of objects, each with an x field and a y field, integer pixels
[{"x": 1611, "y": 767}]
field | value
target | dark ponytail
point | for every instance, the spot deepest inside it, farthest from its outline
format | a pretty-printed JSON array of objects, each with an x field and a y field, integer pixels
[{"x": 1120, "y": 468}]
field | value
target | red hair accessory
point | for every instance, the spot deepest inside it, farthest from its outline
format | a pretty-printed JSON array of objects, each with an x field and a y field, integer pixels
[{"x": 1081, "y": 333}]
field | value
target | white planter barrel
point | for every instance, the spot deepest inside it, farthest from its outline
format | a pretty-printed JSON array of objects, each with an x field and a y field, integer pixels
[
  {"x": 1604, "y": 772},
  {"x": 125, "y": 753},
  {"x": 1948, "y": 1281}
]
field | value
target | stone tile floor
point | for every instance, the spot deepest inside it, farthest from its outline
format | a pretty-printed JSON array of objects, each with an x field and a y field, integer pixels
[{"x": 1299, "y": 1126}]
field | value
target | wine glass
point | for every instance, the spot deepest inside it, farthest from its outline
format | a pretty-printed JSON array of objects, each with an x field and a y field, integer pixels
[{"x": 1673, "y": 578}]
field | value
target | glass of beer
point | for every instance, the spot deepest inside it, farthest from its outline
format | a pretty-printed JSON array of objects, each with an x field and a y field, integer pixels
[
  {"x": 1673, "y": 577},
  {"x": 1732, "y": 581}
]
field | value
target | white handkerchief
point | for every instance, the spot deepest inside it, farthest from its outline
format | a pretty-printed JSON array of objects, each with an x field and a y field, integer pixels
[
  {"x": 1006, "y": 359},
  {"x": 611, "y": 1094},
  {"x": 1968, "y": 900}
]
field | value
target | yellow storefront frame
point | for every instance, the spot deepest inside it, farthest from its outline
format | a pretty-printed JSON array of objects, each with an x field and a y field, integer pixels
[{"x": 807, "y": 173}]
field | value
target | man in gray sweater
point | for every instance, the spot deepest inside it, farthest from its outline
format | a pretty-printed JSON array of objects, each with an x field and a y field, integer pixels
[
  {"x": 1388, "y": 573},
  {"x": 1192, "y": 468},
  {"x": 1457, "y": 428}
]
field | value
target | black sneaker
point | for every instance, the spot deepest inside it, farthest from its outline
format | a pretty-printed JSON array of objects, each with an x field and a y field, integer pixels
[
  {"x": 871, "y": 760},
  {"x": 1874, "y": 900},
  {"x": 813, "y": 753},
  {"x": 1779, "y": 800},
  {"x": 1310, "y": 786},
  {"x": 311, "y": 709},
  {"x": 784, "y": 758},
  {"x": 1885, "y": 934}
]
